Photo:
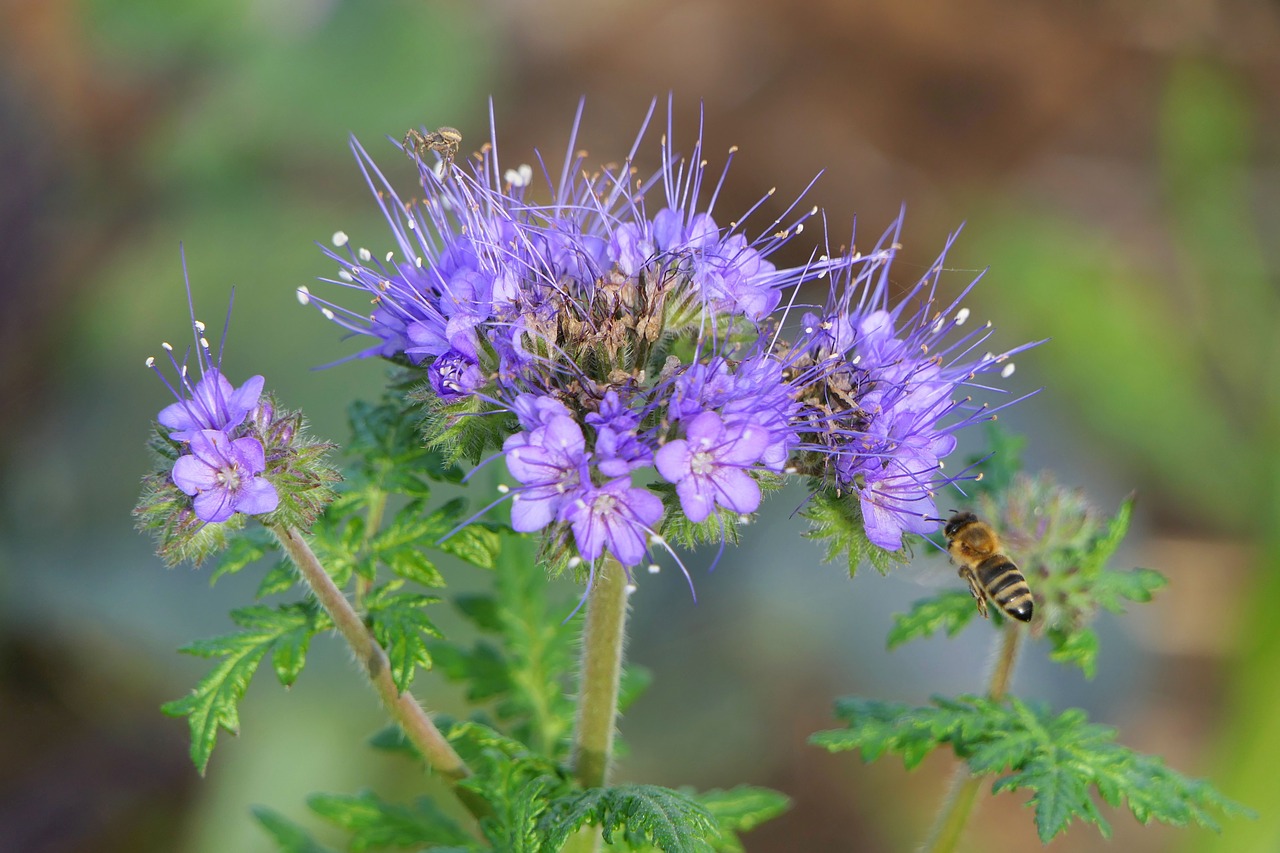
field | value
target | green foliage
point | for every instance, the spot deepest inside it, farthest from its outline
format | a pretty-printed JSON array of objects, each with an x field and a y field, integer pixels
[
  {"x": 741, "y": 809},
  {"x": 288, "y": 836},
  {"x": 525, "y": 674},
  {"x": 1057, "y": 758},
  {"x": 400, "y": 626},
  {"x": 642, "y": 815},
  {"x": 286, "y": 631},
  {"x": 1002, "y": 462},
  {"x": 949, "y": 612},
  {"x": 464, "y": 431},
  {"x": 838, "y": 520},
  {"x": 375, "y": 824}
]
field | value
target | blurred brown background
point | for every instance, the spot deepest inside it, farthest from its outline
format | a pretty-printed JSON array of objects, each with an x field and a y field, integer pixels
[{"x": 1116, "y": 168}]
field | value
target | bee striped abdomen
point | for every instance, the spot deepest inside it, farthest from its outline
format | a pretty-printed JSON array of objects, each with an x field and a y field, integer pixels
[{"x": 1007, "y": 586}]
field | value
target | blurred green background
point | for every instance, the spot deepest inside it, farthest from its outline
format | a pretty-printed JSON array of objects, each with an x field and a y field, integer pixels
[{"x": 1117, "y": 166}]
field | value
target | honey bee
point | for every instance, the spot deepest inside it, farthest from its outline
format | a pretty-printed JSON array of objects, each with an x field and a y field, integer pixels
[
  {"x": 975, "y": 548},
  {"x": 443, "y": 140}
]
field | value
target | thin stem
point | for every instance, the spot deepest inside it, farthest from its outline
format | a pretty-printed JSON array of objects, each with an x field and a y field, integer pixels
[
  {"x": 602, "y": 643},
  {"x": 965, "y": 787},
  {"x": 404, "y": 709}
]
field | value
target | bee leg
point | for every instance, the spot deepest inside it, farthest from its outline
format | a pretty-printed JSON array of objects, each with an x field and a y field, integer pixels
[{"x": 976, "y": 591}]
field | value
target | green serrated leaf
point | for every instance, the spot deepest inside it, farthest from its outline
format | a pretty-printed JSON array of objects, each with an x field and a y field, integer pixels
[
  {"x": 1059, "y": 758},
  {"x": 375, "y": 824},
  {"x": 644, "y": 814},
  {"x": 1113, "y": 588},
  {"x": 242, "y": 551},
  {"x": 481, "y": 611},
  {"x": 1078, "y": 647},
  {"x": 742, "y": 809},
  {"x": 288, "y": 836},
  {"x": 280, "y": 579},
  {"x": 401, "y": 628},
  {"x": 413, "y": 565},
  {"x": 949, "y": 612},
  {"x": 214, "y": 701},
  {"x": 1103, "y": 547}
]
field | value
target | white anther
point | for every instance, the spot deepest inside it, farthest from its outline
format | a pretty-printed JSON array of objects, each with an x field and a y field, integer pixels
[
  {"x": 200, "y": 327},
  {"x": 655, "y": 539},
  {"x": 574, "y": 562},
  {"x": 168, "y": 346},
  {"x": 151, "y": 361},
  {"x": 204, "y": 342},
  {"x": 345, "y": 276},
  {"x": 328, "y": 315},
  {"x": 961, "y": 316},
  {"x": 654, "y": 568},
  {"x": 799, "y": 227},
  {"x": 790, "y": 469},
  {"x": 304, "y": 295},
  {"x": 390, "y": 255},
  {"x": 183, "y": 371},
  {"x": 503, "y": 488},
  {"x": 340, "y": 238},
  {"x": 364, "y": 254},
  {"x": 938, "y": 324},
  {"x": 631, "y": 588},
  {"x": 1008, "y": 370},
  {"x": 856, "y": 359},
  {"x": 987, "y": 356},
  {"x": 418, "y": 262},
  {"x": 411, "y": 224}
]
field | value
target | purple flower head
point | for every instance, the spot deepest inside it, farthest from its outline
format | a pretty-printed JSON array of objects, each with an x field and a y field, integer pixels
[
  {"x": 222, "y": 474},
  {"x": 883, "y": 392},
  {"x": 624, "y": 327},
  {"x": 537, "y": 292}
]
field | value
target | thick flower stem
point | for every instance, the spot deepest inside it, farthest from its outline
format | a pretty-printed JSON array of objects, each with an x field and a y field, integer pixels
[
  {"x": 965, "y": 787},
  {"x": 404, "y": 709},
  {"x": 602, "y": 642}
]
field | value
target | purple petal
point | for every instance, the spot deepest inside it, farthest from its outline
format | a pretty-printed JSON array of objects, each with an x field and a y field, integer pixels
[
  {"x": 256, "y": 496},
  {"x": 247, "y": 453},
  {"x": 672, "y": 460},
  {"x": 214, "y": 505},
  {"x": 191, "y": 475}
]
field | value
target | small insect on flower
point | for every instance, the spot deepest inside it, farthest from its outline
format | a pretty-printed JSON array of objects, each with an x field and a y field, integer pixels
[
  {"x": 975, "y": 547},
  {"x": 443, "y": 140}
]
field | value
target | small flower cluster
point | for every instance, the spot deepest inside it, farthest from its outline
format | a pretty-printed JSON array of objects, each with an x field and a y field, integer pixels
[
  {"x": 617, "y": 336},
  {"x": 222, "y": 470}
]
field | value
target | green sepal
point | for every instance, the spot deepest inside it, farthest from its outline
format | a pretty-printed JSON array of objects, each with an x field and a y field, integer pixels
[{"x": 837, "y": 522}]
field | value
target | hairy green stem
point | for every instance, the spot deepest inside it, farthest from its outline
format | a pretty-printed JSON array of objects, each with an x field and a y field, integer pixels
[
  {"x": 965, "y": 787},
  {"x": 404, "y": 709},
  {"x": 602, "y": 641}
]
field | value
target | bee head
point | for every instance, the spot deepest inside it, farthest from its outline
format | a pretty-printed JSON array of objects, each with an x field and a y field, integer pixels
[{"x": 959, "y": 520}]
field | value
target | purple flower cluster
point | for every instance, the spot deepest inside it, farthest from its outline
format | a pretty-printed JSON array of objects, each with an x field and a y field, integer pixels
[
  {"x": 620, "y": 337},
  {"x": 223, "y": 469}
]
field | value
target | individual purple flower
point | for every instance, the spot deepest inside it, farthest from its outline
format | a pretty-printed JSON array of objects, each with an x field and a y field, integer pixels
[
  {"x": 454, "y": 375},
  {"x": 223, "y": 476},
  {"x": 548, "y": 461},
  {"x": 618, "y": 449},
  {"x": 709, "y": 466},
  {"x": 616, "y": 516},
  {"x": 212, "y": 404}
]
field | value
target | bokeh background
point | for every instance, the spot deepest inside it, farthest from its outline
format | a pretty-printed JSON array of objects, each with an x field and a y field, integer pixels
[{"x": 1114, "y": 164}]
